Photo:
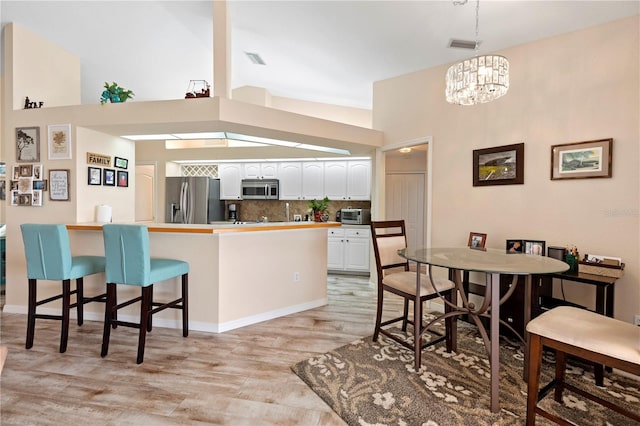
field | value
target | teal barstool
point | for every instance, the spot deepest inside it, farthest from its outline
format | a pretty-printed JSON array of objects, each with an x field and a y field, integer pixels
[
  {"x": 46, "y": 248},
  {"x": 128, "y": 262}
]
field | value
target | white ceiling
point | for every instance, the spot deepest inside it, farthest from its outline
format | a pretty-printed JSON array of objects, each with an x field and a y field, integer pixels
[{"x": 326, "y": 51}]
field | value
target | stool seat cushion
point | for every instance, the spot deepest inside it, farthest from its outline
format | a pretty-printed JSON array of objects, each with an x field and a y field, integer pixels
[
  {"x": 164, "y": 269},
  {"x": 81, "y": 266},
  {"x": 590, "y": 331},
  {"x": 406, "y": 281}
]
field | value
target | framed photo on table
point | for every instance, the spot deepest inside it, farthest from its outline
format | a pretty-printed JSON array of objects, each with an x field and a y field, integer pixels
[
  {"x": 537, "y": 248},
  {"x": 582, "y": 160},
  {"x": 477, "y": 240},
  {"x": 28, "y": 144},
  {"x": 500, "y": 165},
  {"x": 515, "y": 246}
]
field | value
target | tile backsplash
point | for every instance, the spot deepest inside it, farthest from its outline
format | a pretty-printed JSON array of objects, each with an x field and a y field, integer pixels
[{"x": 275, "y": 210}]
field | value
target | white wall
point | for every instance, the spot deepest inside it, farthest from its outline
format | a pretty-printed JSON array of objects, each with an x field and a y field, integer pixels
[{"x": 575, "y": 87}]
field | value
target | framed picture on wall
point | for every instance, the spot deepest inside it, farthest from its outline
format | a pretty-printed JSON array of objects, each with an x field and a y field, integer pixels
[
  {"x": 582, "y": 160},
  {"x": 500, "y": 165},
  {"x": 59, "y": 137},
  {"x": 94, "y": 176},
  {"x": 28, "y": 144},
  {"x": 123, "y": 178},
  {"x": 121, "y": 163},
  {"x": 59, "y": 184},
  {"x": 109, "y": 177}
]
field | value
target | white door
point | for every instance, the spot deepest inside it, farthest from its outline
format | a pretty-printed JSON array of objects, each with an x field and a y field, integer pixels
[
  {"x": 145, "y": 192},
  {"x": 405, "y": 200}
]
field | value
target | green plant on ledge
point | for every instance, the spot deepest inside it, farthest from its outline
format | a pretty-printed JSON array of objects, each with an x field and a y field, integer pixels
[{"x": 114, "y": 93}]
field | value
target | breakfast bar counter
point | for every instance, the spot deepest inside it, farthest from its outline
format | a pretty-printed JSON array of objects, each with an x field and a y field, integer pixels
[{"x": 240, "y": 274}]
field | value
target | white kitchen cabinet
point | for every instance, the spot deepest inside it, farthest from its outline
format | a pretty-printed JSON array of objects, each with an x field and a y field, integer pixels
[
  {"x": 260, "y": 170},
  {"x": 335, "y": 180},
  {"x": 313, "y": 180},
  {"x": 348, "y": 250},
  {"x": 359, "y": 180},
  {"x": 290, "y": 176},
  {"x": 347, "y": 180},
  {"x": 230, "y": 181}
]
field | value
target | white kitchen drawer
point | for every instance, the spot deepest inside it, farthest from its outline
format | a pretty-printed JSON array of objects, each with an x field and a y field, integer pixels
[{"x": 336, "y": 232}]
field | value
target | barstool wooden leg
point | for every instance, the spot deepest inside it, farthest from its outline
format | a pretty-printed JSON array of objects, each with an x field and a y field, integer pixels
[
  {"x": 405, "y": 315},
  {"x": 66, "y": 302},
  {"x": 31, "y": 314},
  {"x": 376, "y": 331},
  {"x": 80, "y": 300},
  {"x": 185, "y": 305},
  {"x": 109, "y": 314},
  {"x": 535, "y": 365},
  {"x": 150, "y": 318},
  {"x": 145, "y": 315},
  {"x": 561, "y": 365}
]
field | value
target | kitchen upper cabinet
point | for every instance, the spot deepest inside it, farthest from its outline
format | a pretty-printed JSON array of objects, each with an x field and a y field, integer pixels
[
  {"x": 230, "y": 181},
  {"x": 260, "y": 171},
  {"x": 335, "y": 180},
  {"x": 358, "y": 180},
  {"x": 347, "y": 180},
  {"x": 312, "y": 180},
  {"x": 290, "y": 176}
]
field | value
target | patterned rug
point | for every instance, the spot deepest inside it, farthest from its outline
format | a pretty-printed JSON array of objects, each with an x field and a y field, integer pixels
[{"x": 369, "y": 383}]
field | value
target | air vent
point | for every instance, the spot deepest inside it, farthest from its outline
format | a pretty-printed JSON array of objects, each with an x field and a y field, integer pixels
[
  {"x": 463, "y": 44},
  {"x": 255, "y": 58}
]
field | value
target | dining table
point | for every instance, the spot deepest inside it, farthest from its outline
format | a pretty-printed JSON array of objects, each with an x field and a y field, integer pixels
[{"x": 494, "y": 263}]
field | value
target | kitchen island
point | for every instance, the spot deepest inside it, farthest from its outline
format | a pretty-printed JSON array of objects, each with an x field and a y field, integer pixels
[{"x": 239, "y": 274}]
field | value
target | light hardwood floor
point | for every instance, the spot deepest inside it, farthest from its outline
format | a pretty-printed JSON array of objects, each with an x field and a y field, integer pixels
[{"x": 241, "y": 377}]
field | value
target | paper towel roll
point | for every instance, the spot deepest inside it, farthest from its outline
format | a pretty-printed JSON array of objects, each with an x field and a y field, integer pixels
[{"x": 103, "y": 213}]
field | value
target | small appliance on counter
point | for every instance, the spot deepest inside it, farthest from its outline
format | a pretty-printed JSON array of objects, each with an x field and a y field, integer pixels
[
  {"x": 355, "y": 216},
  {"x": 233, "y": 212},
  {"x": 339, "y": 216}
]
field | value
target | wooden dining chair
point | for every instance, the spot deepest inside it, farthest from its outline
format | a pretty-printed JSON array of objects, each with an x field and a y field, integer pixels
[
  {"x": 48, "y": 254},
  {"x": 395, "y": 276},
  {"x": 128, "y": 262}
]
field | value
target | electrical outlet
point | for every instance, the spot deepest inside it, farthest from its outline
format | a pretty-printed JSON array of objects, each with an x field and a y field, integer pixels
[
  {"x": 636, "y": 320},
  {"x": 296, "y": 277}
]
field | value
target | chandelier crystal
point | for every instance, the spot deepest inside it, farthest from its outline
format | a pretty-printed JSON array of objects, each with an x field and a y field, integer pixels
[{"x": 477, "y": 80}]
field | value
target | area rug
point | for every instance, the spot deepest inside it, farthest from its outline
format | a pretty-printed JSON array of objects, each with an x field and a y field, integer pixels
[{"x": 369, "y": 383}]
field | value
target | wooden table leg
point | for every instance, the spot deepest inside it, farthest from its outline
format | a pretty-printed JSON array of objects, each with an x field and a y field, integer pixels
[{"x": 494, "y": 279}]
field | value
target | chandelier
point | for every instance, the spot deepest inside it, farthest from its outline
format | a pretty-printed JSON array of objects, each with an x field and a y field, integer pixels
[{"x": 477, "y": 80}]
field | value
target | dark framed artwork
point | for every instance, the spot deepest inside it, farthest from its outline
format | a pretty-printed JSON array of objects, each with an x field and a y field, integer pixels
[
  {"x": 121, "y": 163},
  {"x": 27, "y": 144},
  {"x": 477, "y": 240},
  {"x": 515, "y": 246},
  {"x": 108, "y": 177},
  {"x": 123, "y": 178},
  {"x": 500, "y": 165},
  {"x": 582, "y": 160},
  {"x": 94, "y": 176},
  {"x": 534, "y": 247}
]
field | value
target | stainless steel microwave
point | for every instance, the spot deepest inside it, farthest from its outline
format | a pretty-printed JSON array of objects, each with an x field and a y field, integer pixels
[
  {"x": 355, "y": 216},
  {"x": 260, "y": 189}
]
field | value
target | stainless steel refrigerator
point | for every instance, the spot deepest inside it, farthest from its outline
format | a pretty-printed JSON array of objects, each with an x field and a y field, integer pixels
[{"x": 193, "y": 200}]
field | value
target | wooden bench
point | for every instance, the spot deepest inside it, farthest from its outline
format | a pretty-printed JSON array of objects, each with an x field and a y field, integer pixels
[{"x": 584, "y": 334}]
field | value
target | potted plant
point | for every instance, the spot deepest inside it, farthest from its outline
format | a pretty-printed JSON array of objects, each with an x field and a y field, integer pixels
[
  {"x": 114, "y": 93},
  {"x": 319, "y": 208}
]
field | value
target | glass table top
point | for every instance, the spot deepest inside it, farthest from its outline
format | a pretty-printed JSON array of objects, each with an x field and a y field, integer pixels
[{"x": 491, "y": 260}]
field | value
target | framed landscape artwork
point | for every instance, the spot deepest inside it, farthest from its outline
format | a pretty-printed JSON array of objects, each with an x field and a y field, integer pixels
[
  {"x": 500, "y": 165},
  {"x": 582, "y": 160}
]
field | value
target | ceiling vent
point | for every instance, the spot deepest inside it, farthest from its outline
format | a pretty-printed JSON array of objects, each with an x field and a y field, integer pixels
[
  {"x": 463, "y": 44},
  {"x": 255, "y": 58}
]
